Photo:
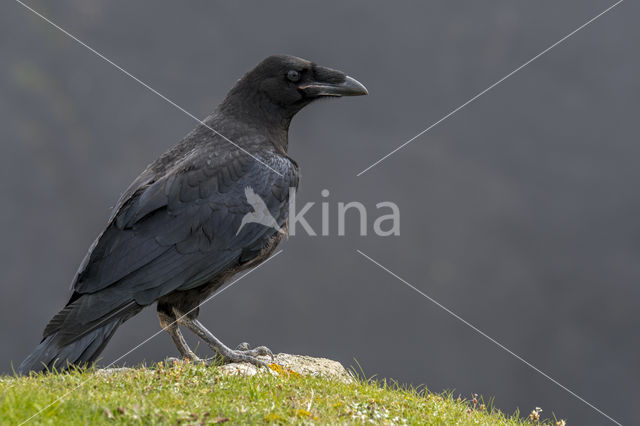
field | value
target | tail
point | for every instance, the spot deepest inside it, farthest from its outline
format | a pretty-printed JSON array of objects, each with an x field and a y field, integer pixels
[
  {"x": 53, "y": 352},
  {"x": 78, "y": 334}
]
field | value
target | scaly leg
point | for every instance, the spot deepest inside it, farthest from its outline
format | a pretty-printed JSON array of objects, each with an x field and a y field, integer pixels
[
  {"x": 170, "y": 325},
  {"x": 227, "y": 354}
]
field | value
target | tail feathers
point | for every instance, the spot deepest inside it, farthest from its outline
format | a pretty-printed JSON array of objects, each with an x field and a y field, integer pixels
[{"x": 54, "y": 352}]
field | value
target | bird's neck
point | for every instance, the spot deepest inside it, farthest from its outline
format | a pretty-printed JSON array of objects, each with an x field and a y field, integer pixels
[{"x": 260, "y": 115}]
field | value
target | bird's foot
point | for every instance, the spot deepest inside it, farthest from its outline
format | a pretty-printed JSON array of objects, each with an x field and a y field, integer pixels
[
  {"x": 241, "y": 356},
  {"x": 242, "y": 353},
  {"x": 235, "y": 356},
  {"x": 257, "y": 351}
]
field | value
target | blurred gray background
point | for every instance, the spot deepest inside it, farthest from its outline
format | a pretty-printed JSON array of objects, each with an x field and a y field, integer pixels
[{"x": 520, "y": 213}]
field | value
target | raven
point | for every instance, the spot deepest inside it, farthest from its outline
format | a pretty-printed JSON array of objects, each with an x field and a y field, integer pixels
[{"x": 174, "y": 236}]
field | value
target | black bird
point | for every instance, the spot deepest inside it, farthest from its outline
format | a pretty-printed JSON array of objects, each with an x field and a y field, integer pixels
[{"x": 173, "y": 236}]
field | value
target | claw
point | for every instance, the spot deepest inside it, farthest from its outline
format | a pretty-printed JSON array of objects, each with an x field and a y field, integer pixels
[
  {"x": 257, "y": 351},
  {"x": 264, "y": 351},
  {"x": 231, "y": 356},
  {"x": 241, "y": 356},
  {"x": 244, "y": 346}
]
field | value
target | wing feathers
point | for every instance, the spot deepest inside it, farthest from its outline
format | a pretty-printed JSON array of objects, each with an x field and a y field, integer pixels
[{"x": 179, "y": 231}]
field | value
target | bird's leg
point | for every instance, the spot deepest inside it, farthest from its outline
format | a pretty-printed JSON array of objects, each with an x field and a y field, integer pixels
[
  {"x": 227, "y": 354},
  {"x": 170, "y": 325}
]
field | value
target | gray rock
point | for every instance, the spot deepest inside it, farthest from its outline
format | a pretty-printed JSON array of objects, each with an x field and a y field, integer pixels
[{"x": 301, "y": 364}]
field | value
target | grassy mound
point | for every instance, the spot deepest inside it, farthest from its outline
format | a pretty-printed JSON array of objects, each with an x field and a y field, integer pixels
[{"x": 188, "y": 393}]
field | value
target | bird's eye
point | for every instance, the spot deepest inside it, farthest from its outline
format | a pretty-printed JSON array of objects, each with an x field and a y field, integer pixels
[{"x": 293, "y": 75}]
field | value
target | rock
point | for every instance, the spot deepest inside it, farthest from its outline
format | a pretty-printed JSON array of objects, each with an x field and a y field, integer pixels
[{"x": 301, "y": 364}]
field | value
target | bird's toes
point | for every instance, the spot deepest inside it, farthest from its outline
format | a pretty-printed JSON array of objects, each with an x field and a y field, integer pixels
[
  {"x": 263, "y": 351},
  {"x": 257, "y": 351},
  {"x": 244, "y": 346},
  {"x": 243, "y": 356}
]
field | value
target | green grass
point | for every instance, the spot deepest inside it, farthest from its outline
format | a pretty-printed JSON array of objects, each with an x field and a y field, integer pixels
[{"x": 194, "y": 394}]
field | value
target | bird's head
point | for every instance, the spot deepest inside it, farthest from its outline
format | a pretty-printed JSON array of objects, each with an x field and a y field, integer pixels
[{"x": 282, "y": 85}]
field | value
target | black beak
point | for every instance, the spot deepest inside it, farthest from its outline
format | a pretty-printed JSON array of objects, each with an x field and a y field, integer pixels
[{"x": 349, "y": 87}]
